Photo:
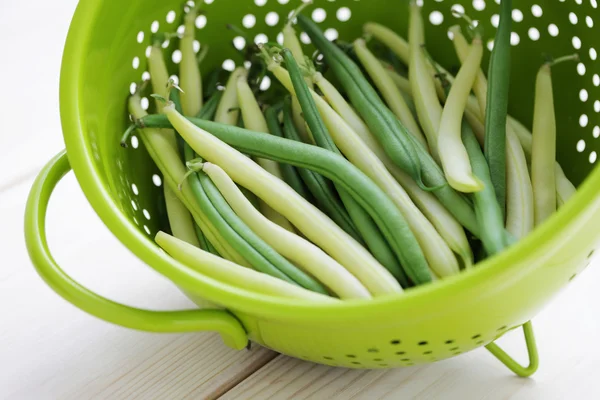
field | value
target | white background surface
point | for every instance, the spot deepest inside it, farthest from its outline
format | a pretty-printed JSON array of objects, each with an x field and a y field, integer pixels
[{"x": 50, "y": 350}]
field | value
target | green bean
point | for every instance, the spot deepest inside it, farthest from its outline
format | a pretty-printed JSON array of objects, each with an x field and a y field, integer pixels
[
  {"x": 260, "y": 255},
  {"x": 204, "y": 244},
  {"x": 289, "y": 172},
  {"x": 518, "y": 207},
  {"x": 382, "y": 122},
  {"x": 434, "y": 249},
  {"x": 444, "y": 222},
  {"x": 427, "y": 169},
  {"x": 454, "y": 156},
  {"x": 209, "y": 109},
  {"x": 458, "y": 206},
  {"x": 236, "y": 232},
  {"x": 322, "y": 190},
  {"x": 231, "y": 228},
  {"x": 212, "y": 249},
  {"x": 370, "y": 231},
  {"x": 388, "y": 89},
  {"x": 309, "y": 109},
  {"x": 186, "y": 154},
  {"x": 291, "y": 41},
  {"x": 293, "y": 247},
  {"x": 254, "y": 120},
  {"x": 487, "y": 209},
  {"x": 190, "y": 78},
  {"x": 311, "y": 222},
  {"x": 166, "y": 157},
  {"x": 484, "y": 209},
  {"x": 473, "y": 114},
  {"x": 497, "y": 103},
  {"x": 284, "y": 151},
  {"x": 206, "y": 112},
  {"x": 232, "y": 274},
  {"x": 401, "y": 48}
]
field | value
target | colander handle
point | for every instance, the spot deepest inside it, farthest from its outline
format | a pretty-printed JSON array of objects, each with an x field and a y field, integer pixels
[{"x": 226, "y": 324}]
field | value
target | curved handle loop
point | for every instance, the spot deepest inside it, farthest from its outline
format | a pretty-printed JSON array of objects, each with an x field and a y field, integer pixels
[{"x": 226, "y": 324}]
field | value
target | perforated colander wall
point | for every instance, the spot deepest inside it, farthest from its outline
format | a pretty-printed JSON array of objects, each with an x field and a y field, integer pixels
[
  {"x": 551, "y": 27},
  {"x": 540, "y": 28}
]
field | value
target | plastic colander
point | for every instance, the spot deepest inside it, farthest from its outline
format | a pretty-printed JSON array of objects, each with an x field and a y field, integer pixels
[{"x": 105, "y": 55}]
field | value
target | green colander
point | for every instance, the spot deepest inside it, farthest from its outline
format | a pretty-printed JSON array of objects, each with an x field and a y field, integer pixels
[{"x": 105, "y": 55}]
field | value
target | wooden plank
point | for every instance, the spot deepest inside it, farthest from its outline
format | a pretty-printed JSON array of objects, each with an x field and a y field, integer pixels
[
  {"x": 51, "y": 350},
  {"x": 191, "y": 366},
  {"x": 566, "y": 331}
]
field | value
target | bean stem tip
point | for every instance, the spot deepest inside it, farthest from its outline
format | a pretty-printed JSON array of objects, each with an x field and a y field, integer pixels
[
  {"x": 551, "y": 62},
  {"x": 193, "y": 167},
  {"x": 127, "y": 134},
  {"x": 297, "y": 11}
]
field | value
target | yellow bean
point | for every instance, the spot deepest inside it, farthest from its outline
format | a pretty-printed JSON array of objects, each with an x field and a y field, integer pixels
[
  {"x": 428, "y": 106},
  {"x": 453, "y": 154},
  {"x": 227, "y": 272},
  {"x": 543, "y": 157},
  {"x": 255, "y": 121}
]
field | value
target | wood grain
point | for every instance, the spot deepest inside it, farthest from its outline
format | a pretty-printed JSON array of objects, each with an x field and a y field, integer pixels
[
  {"x": 566, "y": 331},
  {"x": 51, "y": 350},
  {"x": 48, "y": 348}
]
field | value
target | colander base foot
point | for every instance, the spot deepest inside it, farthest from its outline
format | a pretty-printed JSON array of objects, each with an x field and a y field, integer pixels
[{"x": 513, "y": 365}]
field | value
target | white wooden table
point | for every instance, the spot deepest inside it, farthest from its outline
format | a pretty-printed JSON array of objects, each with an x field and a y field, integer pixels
[{"x": 50, "y": 350}]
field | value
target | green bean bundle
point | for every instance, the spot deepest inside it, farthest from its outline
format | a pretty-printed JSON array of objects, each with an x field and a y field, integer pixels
[{"x": 356, "y": 172}]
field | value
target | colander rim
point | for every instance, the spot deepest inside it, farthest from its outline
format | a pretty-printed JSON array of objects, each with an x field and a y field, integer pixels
[{"x": 513, "y": 261}]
